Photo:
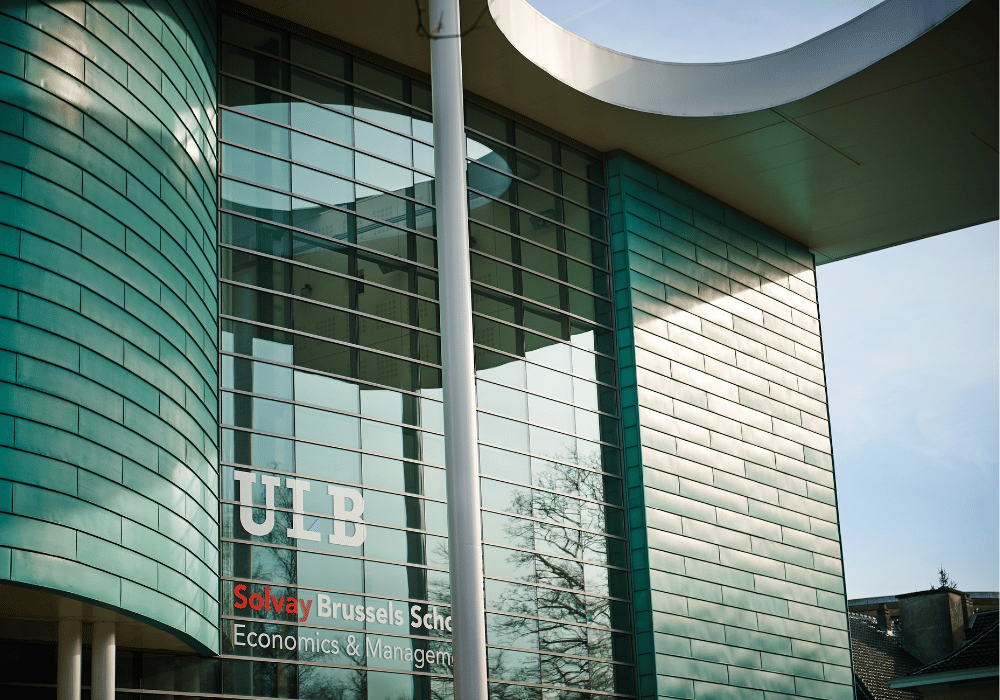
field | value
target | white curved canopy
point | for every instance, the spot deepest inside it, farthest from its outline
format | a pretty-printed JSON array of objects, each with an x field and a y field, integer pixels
[
  {"x": 878, "y": 132},
  {"x": 713, "y": 89}
]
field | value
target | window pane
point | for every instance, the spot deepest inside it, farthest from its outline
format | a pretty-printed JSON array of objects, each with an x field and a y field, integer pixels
[
  {"x": 261, "y": 169},
  {"x": 322, "y": 154},
  {"x": 379, "y": 173},
  {"x": 324, "y": 391},
  {"x": 534, "y": 143},
  {"x": 384, "y": 112},
  {"x": 254, "y": 133},
  {"x": 254, "y": 100},
  {"x": 322, "y": 187},
  {"x": 253, "y": 35},
  {"x": 322, "y": 122},
  {"x": 502, "y": 400},
  {"x": 323, "y": 426},
  {"x": 317, "y": 56},
  {"x": 327, "y": 463}
]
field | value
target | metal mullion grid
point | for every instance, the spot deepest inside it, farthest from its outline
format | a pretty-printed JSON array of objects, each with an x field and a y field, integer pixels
[
  {"x": 351, "y": 315},
  {"x": 291, "y": 127},
  {"x": 541, "y": 334},
  {"x": 562, "y": 401},
  {"x": 326, "y": 409},
  {"x": 358, "y": 450},
  {"x": 335, "y": 207},
  {"x": 539, "y": 364},
  {"x": 469, "y": 129},
  {"x": 314, "y": 234},
  {"x": 331, "y": 273},
  {"x": 297, "y": 662},
  {"x": 588, "y": 625},
  {"x": 343, "y": 81},
  {"x": 406, "y": 105},
  {"x": 328, "y": 516},
  {"x": 545, "y": 427},
  {"x": 327, "y": 305},
  {"x": 584, "y": 692},
  {"x": 535, "y": 214},
  {"x": 583, "y": 499},
  {"x": 549, "y": 522},
  {"x": 559, "y": 654},
  {"x": 555, "y": 460},
  {"x": 324, "y": 172},
  {"x": 518, "y": 266},
  {"x": 546, "y": 190},
  {"x": 519, "y": 237},
  {"x": 575, "y": 591},
  {"x": 327, "y": 480},
  {"x": 318, "y": 138},
  {"x": 307, "y": 550},
  {"x": 255, "y": 431},
  {"x": 299, "y": 98},
  {"x": 543, "y": 686},
  {"x": 561, "y": 312},
  {"x": 351, "y": 380}
]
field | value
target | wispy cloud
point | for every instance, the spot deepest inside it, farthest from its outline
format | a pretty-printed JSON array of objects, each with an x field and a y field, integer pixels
[{"x": 587, "y": 11}]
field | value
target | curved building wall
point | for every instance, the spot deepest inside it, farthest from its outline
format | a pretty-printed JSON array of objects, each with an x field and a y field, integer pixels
[{"x": 108, "y": 307}]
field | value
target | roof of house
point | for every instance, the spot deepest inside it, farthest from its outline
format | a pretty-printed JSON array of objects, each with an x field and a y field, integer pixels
[
  {"x": 878, "y": 657},
  {"x": 980, "y": 651}
]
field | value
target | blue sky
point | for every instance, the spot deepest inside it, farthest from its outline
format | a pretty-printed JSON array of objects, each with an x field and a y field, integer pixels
[{"x": 910, "y": 334}]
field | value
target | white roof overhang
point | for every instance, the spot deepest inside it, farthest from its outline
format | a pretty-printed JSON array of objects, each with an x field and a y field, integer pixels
[{"x": 878, "y": 132}]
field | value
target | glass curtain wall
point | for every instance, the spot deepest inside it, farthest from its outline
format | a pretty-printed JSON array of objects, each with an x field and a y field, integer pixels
[{"x": 335, "y": 548}]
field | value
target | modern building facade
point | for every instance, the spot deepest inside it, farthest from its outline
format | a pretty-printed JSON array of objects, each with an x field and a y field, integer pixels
[{"x": 221, "y": 424}]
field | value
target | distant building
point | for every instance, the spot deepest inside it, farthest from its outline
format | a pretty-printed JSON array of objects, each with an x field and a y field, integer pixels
[{"x": 940, "y": 644}]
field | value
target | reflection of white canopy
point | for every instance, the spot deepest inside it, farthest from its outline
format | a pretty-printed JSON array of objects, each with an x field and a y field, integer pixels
[
  {"x": 878, "y": 132},
  {"x": 493, "y": 181}
]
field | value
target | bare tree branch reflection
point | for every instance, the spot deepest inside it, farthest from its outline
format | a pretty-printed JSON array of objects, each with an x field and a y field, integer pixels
[{"x": 565, "y": 531}]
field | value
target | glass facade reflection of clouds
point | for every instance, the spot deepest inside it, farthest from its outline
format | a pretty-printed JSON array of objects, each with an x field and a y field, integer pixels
[{"x": 330, "y": 374}]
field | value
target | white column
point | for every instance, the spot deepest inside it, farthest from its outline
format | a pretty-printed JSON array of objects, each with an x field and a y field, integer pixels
[
  {"x": 70, "y": 656},
  {"x": 102, "y": 683},
  {"x": 457, "y": 359}
]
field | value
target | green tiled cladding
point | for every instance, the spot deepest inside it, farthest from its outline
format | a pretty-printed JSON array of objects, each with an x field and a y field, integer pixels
[
  {"x": 739, "y": 589},
  {"x": 108, "y": 307}
]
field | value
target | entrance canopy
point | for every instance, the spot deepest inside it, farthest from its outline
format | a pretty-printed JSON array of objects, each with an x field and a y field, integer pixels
[{"x": 879, "y": 132}]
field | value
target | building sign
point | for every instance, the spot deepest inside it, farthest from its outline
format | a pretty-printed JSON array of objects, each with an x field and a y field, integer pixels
[
  {"x": 392, "y": 613},
  {"x": 314, "y": 643},
  {"x": 341, "y": 513}
]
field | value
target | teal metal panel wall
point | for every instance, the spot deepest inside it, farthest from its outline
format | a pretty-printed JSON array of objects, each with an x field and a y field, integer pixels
[
  {"x": 739, "y": 588},
  {"x": 108, "y": 307}
]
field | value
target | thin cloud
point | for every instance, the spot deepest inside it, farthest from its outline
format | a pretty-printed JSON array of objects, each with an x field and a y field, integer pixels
[{"x": 580, "y": 14}]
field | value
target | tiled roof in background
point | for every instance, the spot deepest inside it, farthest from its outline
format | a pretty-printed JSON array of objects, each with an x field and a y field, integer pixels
[
  {"x": 980, "y": 651},
  {"x": 879, "y": 657}
]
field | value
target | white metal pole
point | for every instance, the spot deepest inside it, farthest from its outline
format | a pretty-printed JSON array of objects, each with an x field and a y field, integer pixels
[
  {"x": 465, "y": 539},
  {"x": 102, "y": 683},
  {"x": 70, "y": 659}
]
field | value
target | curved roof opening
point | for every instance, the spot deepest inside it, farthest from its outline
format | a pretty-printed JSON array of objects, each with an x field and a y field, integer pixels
[{"x": 709, "y": 31}]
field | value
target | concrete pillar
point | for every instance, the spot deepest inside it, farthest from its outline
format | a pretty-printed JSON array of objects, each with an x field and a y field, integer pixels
[
  {"x": 70, "y": 657},
  {"x": 102, "y": 683}
]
